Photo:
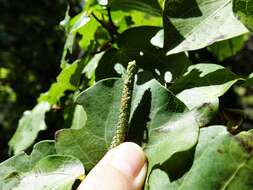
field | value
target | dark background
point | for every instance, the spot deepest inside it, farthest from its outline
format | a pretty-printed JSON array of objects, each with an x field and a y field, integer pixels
[{"x": 31, "y": 43}]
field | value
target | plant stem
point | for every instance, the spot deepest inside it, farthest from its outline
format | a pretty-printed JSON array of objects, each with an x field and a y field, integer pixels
[
  {"x": 125, "y": 106},
  {"x": 109, "y": 26},
  {"x": 99, "y": 21},
  {"x": 113, "y": 27}
]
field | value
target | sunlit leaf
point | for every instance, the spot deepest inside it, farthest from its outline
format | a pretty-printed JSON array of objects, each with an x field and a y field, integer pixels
[
  {"x": 28, "y": 128},
  {"x": 149, "y": 6},
  {"x": 159, "y": 177},
  {"x": 194, "y": 24},
  {"x": 201, "y": 86},
  {"x": 79, "y": 118},
  {"x": 42, "y": 169},
  {"x": 231, "y": 159},
  {"x": 87, "y": 32},
  {"x": 68, "y": 79},
  {"x": 80, "y": 21},
  {"x": 168, "y": 118},
  {"x": 11, "y": 169},
  {"x": 52, "y": 172}
]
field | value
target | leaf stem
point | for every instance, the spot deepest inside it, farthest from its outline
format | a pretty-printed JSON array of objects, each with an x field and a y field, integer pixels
[
  {"x": 112, "y": 26},
  {"x": 108, "y": 25},
  {"x": 99, "y": 21},
  {"x": 125, "y": 105}
]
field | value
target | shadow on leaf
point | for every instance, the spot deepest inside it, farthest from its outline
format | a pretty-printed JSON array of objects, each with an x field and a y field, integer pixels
[{"x": 138, "y": 131}]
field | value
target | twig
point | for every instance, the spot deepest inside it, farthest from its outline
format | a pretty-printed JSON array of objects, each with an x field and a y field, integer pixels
[
  {"x": 112, "y": 25},
  {"x": 100, "y": 21},
  {"x": 109, "y": 26}
]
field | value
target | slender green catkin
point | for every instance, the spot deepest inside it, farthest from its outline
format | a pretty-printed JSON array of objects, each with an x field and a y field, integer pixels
[{"x": 125, "y": 105}]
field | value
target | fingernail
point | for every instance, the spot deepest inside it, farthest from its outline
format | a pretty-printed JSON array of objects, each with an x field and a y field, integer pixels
[
  {"x": 129, "y": 159},
  {"x": 140, "y": 179}
]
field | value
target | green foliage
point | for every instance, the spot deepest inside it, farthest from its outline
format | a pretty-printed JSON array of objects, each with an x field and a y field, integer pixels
[
  {"x": 216, "y": 147},
  {"x": 31, "y": 42},
  {"x": 79, "y": 117},
  {"x": 228, "y": 48},
  {"x": 175, "y": 97},
  {"x": 191, "y": 24},
  {"x": 68, "y": 79},
  {"x": 29, "y": 125},
  {"x": 42, "y": 169},
  {"x": 149, "y": 6},
  {"x": 203, "y": 83},
  {"x": 200, "y": 87},
  {"x": 243, "y": 10},
  {"x": 103, "y": 99},
  {"x": 210, "y": 156},
  {"x": 52, "y": 172}
]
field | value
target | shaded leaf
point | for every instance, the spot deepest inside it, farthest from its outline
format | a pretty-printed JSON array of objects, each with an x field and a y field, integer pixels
[
  {"x": 249, "y": 81},
  {"x": 243, "y": 9},
  {"x": 159, "y": 177},
  {"x": 236, "y": 151},
  {"x": 31, "y": 123},
  {"x": 133, "y": 45},
  {"x": 228, "y": 48}
]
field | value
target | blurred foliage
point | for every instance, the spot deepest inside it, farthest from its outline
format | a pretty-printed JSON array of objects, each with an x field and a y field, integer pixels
[{"x": 31, "y": 42}]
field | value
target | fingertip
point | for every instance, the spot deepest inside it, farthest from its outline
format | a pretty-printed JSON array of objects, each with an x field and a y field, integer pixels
[
  {"x": 122, "y": 168},
  {"x": 129, "y": 158},
  {"x": 140, "y": 179}
]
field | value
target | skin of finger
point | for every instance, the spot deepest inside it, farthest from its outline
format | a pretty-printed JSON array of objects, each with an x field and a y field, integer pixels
[{"x": 106, "y": 177}]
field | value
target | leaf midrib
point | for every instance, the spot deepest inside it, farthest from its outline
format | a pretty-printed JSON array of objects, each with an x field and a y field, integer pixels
[
  {"x": 208, "y": 17},
  {"x": 204, "y": 21},
  {"x": 232, "y": 177}
]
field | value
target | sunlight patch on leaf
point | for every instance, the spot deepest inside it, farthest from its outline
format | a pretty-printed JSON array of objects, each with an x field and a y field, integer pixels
[
  {"x": 68, "y": 79},
  {"x": 28, "y": 127},
  {"x": 101, "y": 103},
  {"x": 192, "y": 25}
]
